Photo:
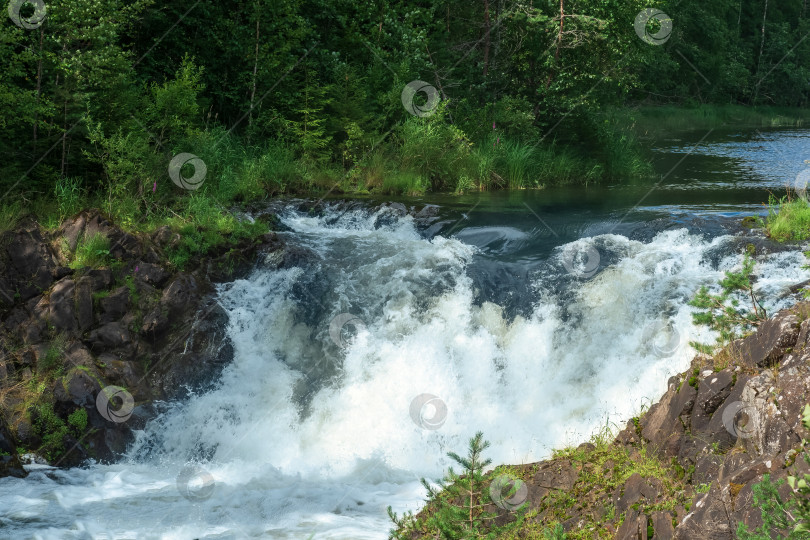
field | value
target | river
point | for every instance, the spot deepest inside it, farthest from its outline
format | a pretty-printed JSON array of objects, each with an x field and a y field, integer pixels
[{"x": 535, "y": 316}]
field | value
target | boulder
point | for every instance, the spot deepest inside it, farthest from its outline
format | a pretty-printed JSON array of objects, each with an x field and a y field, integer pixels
[
  {"x": 662, "y": 526},
  {"x": 152, "y": 274},
  {"x": 115, "y": 305},
  {"x": 769, "y": 343},
  {"x": 77, "y": 388},
  {"x": 708, "y": 519},
  {"x": 9, "y": 461},
  {"x": 84, "y": 303},
  {"x": 33, "y": 264},
  {"x": 62, "y": 313},
  {"x": 109, "y": 336},
  {"x": 662, "y": 426}
]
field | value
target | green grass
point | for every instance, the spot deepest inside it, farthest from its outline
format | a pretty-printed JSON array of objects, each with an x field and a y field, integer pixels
[
  {"x": 53, "y": 355},
  {"x": 788, "y": 219},
  {"x": 93, "y": 252}
]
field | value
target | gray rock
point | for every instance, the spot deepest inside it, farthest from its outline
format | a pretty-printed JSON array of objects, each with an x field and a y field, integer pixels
[
  {"x": 63, "y": 307},
  {"x": 109, "y": 336},
  {"x": 152, "y": 274},
  {"x": 115, "y": 305},
  {"x": 9, "y": 461},
  {"x": 771, "y": 341}
]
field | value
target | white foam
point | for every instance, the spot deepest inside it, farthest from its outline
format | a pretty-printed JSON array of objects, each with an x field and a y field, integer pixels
[{"x": 328, "y": 465}]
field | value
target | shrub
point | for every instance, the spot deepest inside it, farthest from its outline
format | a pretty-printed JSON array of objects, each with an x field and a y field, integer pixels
[
  {"x": 457, "y": 507},
  {"x": 78, "y": 419},
  {"x": 723, "y": 312}
]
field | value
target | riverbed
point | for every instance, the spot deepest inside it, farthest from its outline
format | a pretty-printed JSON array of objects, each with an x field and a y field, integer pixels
[{"x": 537, "y": 317}]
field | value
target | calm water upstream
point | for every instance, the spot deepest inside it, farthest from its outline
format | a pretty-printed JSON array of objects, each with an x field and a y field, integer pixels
[{"x": 535, "y": 316}]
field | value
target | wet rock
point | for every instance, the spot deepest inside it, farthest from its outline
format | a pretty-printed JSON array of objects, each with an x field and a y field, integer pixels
[
  {"x": 125, "y": 373},
  {"x": 155, "y": 323},
  {"x": 180, "y": 295},
  {"x": 9, "y": 460}
]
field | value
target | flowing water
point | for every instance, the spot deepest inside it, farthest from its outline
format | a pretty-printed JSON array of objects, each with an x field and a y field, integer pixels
[{"x": 536, "y": 317}]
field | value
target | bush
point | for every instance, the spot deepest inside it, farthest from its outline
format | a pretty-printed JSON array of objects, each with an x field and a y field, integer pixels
[
  {"x": 723, "y": 312},
  {"x": 457, "y": 508}
]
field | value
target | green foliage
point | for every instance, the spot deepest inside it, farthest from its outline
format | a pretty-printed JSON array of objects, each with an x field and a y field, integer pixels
[
  {"x": 458, "y": 504},
  {"x": 723, "y": 312},
  {"x": 78, "y": 420},
  {"x": 52, "y": 359},
  {"x": 93, "y": 252},
  {"x": 129, "y": 283},
  {"x": 205, "y": 227},
  {"x": 783, "y": 518},
  {"x": 97, "y": 101},
  {"x": 462, "y": 497},
  {"x": 51, "y": 429}
]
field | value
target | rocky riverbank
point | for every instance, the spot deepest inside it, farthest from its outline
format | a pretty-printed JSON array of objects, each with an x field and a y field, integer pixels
[
  {"x": 685, "y": 468},
  {"x": 86, "y": 349}
]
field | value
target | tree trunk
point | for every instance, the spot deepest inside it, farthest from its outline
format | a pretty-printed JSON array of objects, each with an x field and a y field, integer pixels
[
  {"x": 255, "y": 70},
  {"x": 761, "y": 49},
  {"x": 64, "y": 139},
  {"x": 559, "y": 41},
  {"x": 486, "y": 37},
  {"x": 39, "y": 88},
  {"x": 762, "y": 41}
]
